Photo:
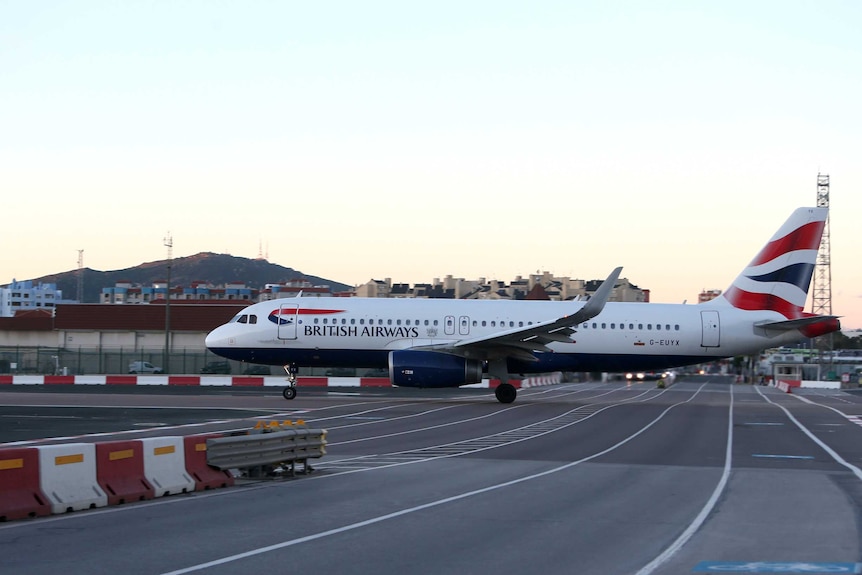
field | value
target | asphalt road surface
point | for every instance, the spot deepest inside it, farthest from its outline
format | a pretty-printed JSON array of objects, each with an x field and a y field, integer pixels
[{"x": 587, "y": 478}]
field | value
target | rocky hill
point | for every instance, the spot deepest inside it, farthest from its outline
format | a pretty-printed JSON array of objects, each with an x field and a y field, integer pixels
[{"x": 215, "y": 269}]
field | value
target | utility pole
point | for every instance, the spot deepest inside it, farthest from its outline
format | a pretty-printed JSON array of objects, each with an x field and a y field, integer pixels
[{"x": 169, "y": 243}]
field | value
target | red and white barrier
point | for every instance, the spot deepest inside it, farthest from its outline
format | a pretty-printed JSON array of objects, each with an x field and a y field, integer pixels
[
  {"x": 67, "y": 475},
  {"x": 241, "y": 381},
  {"x": 542, "y": 380},
  {"x": 39, "y": 481},
  {"x": 120, "y": 471},
  {"x": 205, "y": 476},
  {"x": 165, "y": 465},
  {"x": 21, "y": 493}
]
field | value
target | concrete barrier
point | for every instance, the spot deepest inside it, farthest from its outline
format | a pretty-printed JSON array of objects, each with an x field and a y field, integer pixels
[
  {"x": 67, "y": 476},
  {"x": 164, "y": 466},
  {"x": 120, "y": 471},
  {"x": 244, "y": 381},
  {"x": 205, "y": 476},
  {"x": 20, "y": 493}
]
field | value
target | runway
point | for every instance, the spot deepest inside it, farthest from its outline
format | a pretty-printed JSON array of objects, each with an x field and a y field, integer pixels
[{"x": 571, "y": 478}]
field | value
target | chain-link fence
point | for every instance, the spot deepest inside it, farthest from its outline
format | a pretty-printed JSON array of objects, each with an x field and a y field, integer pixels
[
  {"x": 87, "y": 361},
  {"x": 23, "y": 360}
]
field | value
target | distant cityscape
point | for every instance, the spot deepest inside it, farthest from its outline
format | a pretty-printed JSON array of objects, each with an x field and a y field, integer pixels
[{"x": 29, "y": 295}]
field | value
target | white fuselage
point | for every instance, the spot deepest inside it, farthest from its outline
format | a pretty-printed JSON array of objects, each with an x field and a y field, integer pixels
[{"x": 359, "y": 332}]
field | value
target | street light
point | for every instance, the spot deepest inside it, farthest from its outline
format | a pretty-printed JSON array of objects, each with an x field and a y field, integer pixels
[{"x": 169, "y": 243}]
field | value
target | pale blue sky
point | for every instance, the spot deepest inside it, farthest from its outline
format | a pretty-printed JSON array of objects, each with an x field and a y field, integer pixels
[{"x": 385, "y": 139}]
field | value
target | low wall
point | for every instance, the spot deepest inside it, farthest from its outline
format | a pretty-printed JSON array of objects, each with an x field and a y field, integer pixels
[{"x": 242, "y": 381}]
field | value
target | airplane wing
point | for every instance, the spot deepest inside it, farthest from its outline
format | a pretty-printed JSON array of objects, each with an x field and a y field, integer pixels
[{"x": 522, "y": 341}]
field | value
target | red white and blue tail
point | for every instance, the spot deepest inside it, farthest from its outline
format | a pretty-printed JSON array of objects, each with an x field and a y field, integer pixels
[{"x": 777, "y": 279}]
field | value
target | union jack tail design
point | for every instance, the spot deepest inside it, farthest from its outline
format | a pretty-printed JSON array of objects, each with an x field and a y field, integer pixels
[{"x": 778, "y": 278}]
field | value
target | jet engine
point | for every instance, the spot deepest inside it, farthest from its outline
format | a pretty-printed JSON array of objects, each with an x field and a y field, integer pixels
[{"x": 411, "y": 368}]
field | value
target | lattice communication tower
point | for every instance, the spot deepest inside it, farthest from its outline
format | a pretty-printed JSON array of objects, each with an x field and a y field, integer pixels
[{"x": 821, "y": 292}]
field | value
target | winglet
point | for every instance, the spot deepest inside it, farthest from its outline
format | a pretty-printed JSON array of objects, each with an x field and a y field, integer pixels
[{"x": 596, "y": 303}]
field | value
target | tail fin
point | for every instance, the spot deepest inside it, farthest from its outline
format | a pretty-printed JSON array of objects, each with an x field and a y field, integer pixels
[{"x": 778, "y": 277}]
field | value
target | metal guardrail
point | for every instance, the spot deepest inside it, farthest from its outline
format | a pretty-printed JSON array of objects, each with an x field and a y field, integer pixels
[{"x": 262, "y": 453}]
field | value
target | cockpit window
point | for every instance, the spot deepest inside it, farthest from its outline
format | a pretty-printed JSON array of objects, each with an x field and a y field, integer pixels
[
  {"x": 252, "y": 319},
  {"x": 243, "y": 319}
]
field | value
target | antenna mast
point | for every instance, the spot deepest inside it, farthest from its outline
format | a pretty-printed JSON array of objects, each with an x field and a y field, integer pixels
[{"x": 80, "y": 276}]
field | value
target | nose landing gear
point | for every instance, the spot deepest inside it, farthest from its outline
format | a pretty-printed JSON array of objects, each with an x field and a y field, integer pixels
[{"x": 289, "y": 392}]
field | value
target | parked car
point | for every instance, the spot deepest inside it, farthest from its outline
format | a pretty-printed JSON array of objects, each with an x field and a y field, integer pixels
[
  {"x": 257, "y": 370},
  {"x": 216, "y": 367},
  {"x": 144, "y": 367}
]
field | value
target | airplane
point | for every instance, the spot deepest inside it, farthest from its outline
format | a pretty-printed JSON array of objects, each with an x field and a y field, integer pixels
[{"x": 448, "y": 343}]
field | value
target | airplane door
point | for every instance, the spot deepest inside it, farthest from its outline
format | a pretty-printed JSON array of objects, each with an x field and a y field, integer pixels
[
  {"x": 287, "y": 320},
  {"x": 464, "y": 325},
  {"x": 711, "y": 330},
  {"x": 449, "y": 325}
]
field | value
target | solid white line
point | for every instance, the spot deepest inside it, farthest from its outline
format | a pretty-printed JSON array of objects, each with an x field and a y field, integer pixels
[
  {"x": 372, "y": 521},
  {"x": 707, "y": 509},
  {"x": 856, "y": 471}
]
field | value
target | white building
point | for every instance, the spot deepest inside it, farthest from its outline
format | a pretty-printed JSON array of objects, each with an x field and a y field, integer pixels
[{"x": 18, "y": 296}]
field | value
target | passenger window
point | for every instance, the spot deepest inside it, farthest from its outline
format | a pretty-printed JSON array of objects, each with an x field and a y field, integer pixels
[
  {"x": 658, "y": 327},
  {"x": 398, "y": 322},
  {"x": 361, "y": 321},
  {"x": 640, "y": 326},
  {"x": 631, "y": 326},
  {"x": 353, "y": 321},
  {"x": 613, "y": 326},
  {"x": 604, "y": 326},
  {"x": 649, "y": 326},
  {"x": 676, "y": 327},
  {"x": 595, "y": 325},
  {"x": 520, "y": 324},
  {"x": 484, "y": 323},
  {"x": 667, "y": 327}
]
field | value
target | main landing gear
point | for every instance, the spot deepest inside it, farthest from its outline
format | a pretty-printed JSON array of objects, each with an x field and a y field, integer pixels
[
  {"x": 289, "y": 392},
  {"x": 505, "y": 392}
]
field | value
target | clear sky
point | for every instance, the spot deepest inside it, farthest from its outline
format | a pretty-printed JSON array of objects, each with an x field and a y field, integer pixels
[{"x": 360, "y": 140}]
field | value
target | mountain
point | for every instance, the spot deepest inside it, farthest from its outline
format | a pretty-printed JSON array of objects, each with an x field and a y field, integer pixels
[{"x": 215, "y": 269}]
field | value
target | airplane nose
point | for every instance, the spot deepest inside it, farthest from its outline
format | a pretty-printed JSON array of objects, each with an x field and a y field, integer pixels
[{"x": 214, "y": 338}]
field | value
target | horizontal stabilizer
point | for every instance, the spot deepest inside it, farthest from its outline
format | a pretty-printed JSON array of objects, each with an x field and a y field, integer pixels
[{"x": 790, "y": 324}]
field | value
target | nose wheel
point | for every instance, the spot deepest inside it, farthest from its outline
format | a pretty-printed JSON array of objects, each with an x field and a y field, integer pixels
[{"x": 289, "y": 392}]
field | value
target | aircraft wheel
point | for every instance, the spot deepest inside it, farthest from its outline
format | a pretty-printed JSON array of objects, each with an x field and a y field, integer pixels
[
  {"x": 289, "y": 392},
  {"x": 506, "y": 393}
]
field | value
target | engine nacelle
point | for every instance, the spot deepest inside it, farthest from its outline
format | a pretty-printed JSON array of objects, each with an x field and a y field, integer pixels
[{"x": 411, "y": 368}]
